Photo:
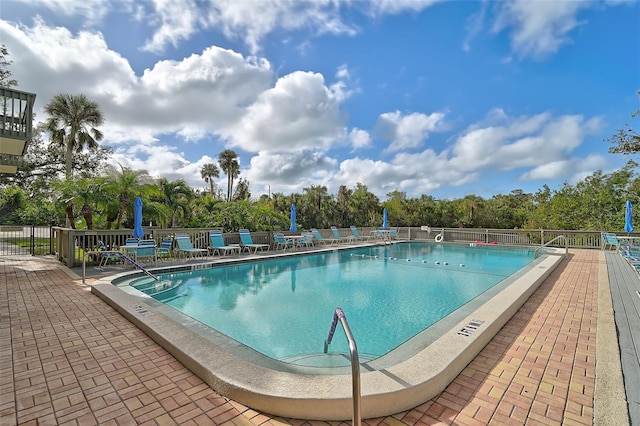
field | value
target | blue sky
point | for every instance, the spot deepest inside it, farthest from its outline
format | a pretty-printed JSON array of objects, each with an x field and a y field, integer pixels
[{"x": 445, "y": 98}]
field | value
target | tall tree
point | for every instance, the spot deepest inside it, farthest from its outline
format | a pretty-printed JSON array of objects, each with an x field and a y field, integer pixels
[
  {"x": 228, "y": 160},
  {"x": 5, "y": 73},
  {"x": 73, "y": 122},
  {"x": 626, "y": 141},
  {"x": 208, "y": 172},
  {"x": 124, "y": 184},
  {"x": 44, "y": 162},
  {"x": 176, "y": 196},
  {"x": 88, "y": 193},
  {"x": 242, "y": 191}
]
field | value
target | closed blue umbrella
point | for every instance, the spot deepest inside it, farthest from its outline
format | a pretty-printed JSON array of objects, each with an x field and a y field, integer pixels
[
  {"x": 628, "y": 217},
  {"x": 385, "y": 218},
  {"x": 293, "y": 227},
  {"x": 138, "y": 232}
]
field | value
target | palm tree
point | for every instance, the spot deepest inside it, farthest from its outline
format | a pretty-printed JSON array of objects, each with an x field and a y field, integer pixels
[
  {"x": 176, "y": 196},
  {"x": 228, "y": 160},
  {"x": 72, "y": 122},
  {"x": 86, "y": 192},
  {"x": 208, "y": 172},
  {"x": 124, "y": 185}
]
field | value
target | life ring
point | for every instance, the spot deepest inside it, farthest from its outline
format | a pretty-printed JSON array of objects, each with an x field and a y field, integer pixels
[{"x": 438, "y": 238}]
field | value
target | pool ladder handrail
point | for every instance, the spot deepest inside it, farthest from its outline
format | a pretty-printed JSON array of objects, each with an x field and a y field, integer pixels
[
  {"x": 338, "y": 315},
  {"x": 566, "y": 245},
  {"x": 118, "y": 253}
]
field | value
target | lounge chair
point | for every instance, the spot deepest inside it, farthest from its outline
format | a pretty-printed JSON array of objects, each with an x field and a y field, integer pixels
[
  {"x": 306, "y": 240},
  {"x": 248, "y": 244},
  {"x": 281, "y": 241},
  {"x": 146, "y": 251},
  {"x": 108, "y": 255},
  {"x": 610, "y": 241},
  {"x": 164, "y": 251},
  {"x": 321, "y": 239},
  {"x": 357, "y": 236},
  {"x": 337, "y": 236},
  {"x": 186, "y": 248},
  {"x": 218, "y": 245}
]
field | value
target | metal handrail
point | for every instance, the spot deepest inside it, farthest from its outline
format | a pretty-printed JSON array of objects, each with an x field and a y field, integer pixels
[
  {"x": 118, "y": 253},
  {"x": 355, "y": 363},
  {"x": 566, "y": 245}
]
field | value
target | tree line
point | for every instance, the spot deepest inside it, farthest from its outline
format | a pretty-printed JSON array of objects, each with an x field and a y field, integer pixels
[{"x": 100, "y": 195}]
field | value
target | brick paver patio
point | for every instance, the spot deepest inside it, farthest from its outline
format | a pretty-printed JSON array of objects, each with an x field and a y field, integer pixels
[{"x": 69, "y": 358}]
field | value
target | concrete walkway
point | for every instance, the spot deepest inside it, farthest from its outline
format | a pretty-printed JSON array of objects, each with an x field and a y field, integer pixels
[{"x": 69, "y": 358}]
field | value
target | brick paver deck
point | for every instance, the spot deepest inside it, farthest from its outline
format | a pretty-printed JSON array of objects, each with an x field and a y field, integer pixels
[{"x": 69, "y": 358}]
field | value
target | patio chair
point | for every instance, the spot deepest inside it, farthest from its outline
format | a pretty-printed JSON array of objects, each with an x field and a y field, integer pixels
[
  {"x": 357, "y": 236},
  {"x": 109, "y": 255},
  {"x": 248, "y": 244},
  {"x": 166, "y": 246},
  {"x": 281, "y": 241},
  {"x": 337, "y": 236},
  {"x": 306, "y": 240},
  {"x": 318, "y": 236},
  {"x": 186, "y": 248},
  {"x": 146, "y": 251},
  {"x": 218, "y": 245},
  {"x": 610, "y": 241}
]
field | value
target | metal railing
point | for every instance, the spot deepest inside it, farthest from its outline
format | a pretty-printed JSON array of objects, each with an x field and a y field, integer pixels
[
  {"x": 25, "y": 240},
  {"x": 566, "y": 245},
  {"x": 338, "y": 315},
  {"x": 123, "y": 256}
]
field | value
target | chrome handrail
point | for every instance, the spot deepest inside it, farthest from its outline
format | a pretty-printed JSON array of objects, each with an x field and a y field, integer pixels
[
  {"x": 566, "y": 245},
  {"x": 118, "y": 253},
  {"x": 355, "y": 363}
]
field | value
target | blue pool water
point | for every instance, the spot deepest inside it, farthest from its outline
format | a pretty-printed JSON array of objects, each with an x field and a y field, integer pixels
[{"x": 283, "y": 308}]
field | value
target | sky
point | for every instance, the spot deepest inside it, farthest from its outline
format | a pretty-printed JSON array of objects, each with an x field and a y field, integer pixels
[{"x": 442, "y": 98}]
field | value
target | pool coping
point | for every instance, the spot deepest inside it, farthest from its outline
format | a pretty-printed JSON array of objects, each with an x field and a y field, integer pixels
[{"x": 384, "y": 391}]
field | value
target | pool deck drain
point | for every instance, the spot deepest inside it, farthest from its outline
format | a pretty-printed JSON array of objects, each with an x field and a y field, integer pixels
[{"x": 67, "y": 357}]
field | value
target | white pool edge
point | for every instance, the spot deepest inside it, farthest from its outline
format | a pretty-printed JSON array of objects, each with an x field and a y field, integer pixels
[{"x": 329, "y": 397}]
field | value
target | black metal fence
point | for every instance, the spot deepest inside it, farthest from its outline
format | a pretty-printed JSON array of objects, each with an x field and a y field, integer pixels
[{"x": 26, "y": 240}]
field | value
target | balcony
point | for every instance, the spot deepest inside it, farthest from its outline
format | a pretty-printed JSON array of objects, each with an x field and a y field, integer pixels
[{"x": 16, "y": 126}]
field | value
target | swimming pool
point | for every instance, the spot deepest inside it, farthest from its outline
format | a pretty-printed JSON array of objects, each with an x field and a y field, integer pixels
[
  {"x": 404, "y": 378},
  {"x": 283, "y": 307}
]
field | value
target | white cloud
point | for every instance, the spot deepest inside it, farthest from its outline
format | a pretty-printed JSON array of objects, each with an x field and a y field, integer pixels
[
  {"x": 92, "y": 10},
  {"x": 248, "y": 21},
  {"x": 542, "y": 145},
  {"x": 407, "y": 131},
  {"x": 522, "y": 142},
  {"x": 202, "y": 94},
  {"x": 174, "y": 20},
  {"x": 576, "y": 168},
  {"x": 164, "y": 161},
  {"x": 359, "y": 138},
  {"x": 291, "y": 171},
  {"x": 393, "y": 7},
  {"x": 539, "y": 28},
  {"x": 299, "y": 112}
]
